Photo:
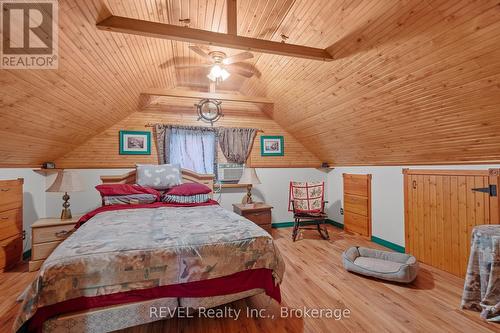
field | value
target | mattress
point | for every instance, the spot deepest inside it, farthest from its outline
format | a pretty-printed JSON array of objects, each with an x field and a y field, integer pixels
[{"x": 126, "y": 255}]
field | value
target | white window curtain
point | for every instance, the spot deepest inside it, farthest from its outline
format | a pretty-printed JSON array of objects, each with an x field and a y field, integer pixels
[{"x": 193, "y": 149}]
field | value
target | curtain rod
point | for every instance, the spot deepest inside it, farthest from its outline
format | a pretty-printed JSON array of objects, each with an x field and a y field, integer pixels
[{"x": 153, "y": 125}]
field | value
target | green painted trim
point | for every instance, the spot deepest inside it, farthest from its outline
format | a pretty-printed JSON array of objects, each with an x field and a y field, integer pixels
[
  {"x": 27, "y": 255},
  {"x": 282, "y": 224},
  {"x": 148, "y": 136},
  {"x": 282, "y": 142},
  {"x": 392, "y": 246},
  {"x": 289, "y": 224},
  {"x": 335, "y": 224},
  {"x": 380, "y": 241}
]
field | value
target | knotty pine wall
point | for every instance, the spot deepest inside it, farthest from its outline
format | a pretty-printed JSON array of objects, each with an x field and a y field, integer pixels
[
  {"x": 413, "y": 82},
  {"x": 102, "y": 151}
]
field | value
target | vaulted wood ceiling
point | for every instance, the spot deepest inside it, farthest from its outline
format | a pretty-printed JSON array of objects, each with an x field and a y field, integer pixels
[{"x": 413, "y": 82}]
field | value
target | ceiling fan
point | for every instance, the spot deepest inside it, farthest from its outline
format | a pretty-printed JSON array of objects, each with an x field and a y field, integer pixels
[{"x": 221, "y": 66}]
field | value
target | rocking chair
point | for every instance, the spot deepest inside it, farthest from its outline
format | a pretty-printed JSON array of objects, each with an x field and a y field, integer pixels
[{"x": 306, "y": 201}]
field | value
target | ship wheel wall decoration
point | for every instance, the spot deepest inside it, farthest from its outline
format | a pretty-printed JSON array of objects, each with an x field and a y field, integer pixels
[{"x": 209, "y": 110}]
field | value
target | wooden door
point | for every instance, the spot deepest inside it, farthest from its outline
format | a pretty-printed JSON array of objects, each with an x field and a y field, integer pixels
[
  {"x": 441, "y": 208},
  {"x": 357, "y": 204}
]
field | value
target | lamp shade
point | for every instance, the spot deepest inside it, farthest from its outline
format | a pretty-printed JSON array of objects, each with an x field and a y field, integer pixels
[
  {"x": 66, "y": 181},
  {"x": 249, "y": 177}
]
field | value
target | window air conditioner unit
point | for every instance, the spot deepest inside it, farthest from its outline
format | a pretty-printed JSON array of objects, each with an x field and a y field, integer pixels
[{"x": 230, "y": 172}]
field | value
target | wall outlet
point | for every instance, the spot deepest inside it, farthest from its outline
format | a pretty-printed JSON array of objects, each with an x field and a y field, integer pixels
[
  {"x": 341, "y": 211},
  {"x": 24, "y": 234}
]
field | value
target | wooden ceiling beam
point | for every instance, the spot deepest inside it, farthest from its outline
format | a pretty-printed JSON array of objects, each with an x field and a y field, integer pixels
[
  {"x": 201, "y": 95},
  {"x": 197, "y": 36},
  {"x": 232, "y": 17}
]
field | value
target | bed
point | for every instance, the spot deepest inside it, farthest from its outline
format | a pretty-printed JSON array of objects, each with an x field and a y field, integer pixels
[{"x": 124, "y": 261}]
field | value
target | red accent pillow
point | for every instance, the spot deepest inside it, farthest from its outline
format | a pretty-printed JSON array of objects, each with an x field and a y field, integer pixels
[
  {"x": 189, "y": 189},
  {"x": 125, "y": 189}
]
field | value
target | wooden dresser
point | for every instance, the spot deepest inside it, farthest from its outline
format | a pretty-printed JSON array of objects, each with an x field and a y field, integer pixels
[
  {"x": 46, "y": 235},
  {"x": 259, "y": 213},
  {"x": 11, "y": 222},
  {"x": 358, "y": 204}
]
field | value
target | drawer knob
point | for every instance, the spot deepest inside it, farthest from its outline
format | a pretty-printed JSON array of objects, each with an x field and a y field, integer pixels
[
  {"x": 4, "y": 189},
  {"x": 5, "y": 217}
]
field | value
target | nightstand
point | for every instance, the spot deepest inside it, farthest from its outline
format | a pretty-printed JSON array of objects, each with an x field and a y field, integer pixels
[
  {"x": 46, "y": 235},
  {"x": 259, "y": 213}
]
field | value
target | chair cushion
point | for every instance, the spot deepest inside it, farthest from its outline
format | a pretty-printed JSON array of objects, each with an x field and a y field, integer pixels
[
  {"x": 307, "y": 197},
  {"x": 312, "y": 215},
  {"x": 392, "y": 266}
]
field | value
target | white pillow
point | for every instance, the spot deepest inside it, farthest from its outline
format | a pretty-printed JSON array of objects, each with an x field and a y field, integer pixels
[{"x": 159, "y": 177}]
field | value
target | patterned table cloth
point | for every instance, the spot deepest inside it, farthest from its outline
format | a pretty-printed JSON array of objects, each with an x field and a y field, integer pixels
[{"x": 482, "y": 281}]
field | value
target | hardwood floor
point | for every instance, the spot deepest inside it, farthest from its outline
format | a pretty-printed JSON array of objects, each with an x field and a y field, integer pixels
[{"x": 315, "y": 278}]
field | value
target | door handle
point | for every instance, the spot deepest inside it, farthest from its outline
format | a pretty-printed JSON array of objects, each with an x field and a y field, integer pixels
[
  {"x": 491, "y": 190},
  {"x": 414, "y": 184}
]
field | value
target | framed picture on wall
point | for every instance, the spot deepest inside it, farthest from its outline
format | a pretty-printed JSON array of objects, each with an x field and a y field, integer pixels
[
  {"x": 272, "y": 145},
  {"x": 135, "y": 143}
]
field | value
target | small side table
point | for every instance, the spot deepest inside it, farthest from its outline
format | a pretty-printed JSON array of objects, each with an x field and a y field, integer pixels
[
  {"x": 46, "y": 235},
  {"x": 482, "y": 280},
  {"x": 259, "y": 213}
]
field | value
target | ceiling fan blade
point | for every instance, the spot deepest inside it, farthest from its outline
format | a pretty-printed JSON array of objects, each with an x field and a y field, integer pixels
[
  {"x": 242, "y": 72},
  {"x": 200, "y": 52},
  {"x": 238, "y": 57},
  {"x": 246, "y": 67},
  {"x": 179, "y": 61},
  {"x": 192, "y": 66}
]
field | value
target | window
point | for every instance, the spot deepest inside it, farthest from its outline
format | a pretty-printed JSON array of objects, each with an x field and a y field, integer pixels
[{"x": 193, "y": 149}]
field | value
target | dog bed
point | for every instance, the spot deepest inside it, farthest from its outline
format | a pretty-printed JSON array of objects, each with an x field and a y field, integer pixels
[{"x": 392, "y": 266}]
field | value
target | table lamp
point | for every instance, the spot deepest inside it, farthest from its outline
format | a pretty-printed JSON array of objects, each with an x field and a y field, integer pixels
[
  {"x": 249, "y": 177},
  {"x": 66, "y": 181}
]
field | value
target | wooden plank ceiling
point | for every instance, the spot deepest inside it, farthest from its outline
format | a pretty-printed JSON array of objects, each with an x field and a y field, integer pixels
[{"x": 413, "y": 82}]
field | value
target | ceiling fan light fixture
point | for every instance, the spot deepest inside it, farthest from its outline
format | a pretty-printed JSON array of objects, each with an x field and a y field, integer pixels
[
  {"x": 217, "y": 73},
  {"x": 224, "y": 74},
  {"x": 211, "y": 77}
]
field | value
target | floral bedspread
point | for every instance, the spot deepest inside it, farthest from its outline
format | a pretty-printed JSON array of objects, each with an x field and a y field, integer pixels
[{"x": 132, "y": 249}]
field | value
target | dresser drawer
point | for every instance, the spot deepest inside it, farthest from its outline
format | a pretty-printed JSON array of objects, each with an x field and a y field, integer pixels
[
  {"x": 43, "y": 250},
  {"x": 11, "y": 195},
  {"x": 263, "y": 217},
  {"x": 10, "y": 223},
  {"x": 11, "y": 250},
  {"x": 50, "y": 234}
]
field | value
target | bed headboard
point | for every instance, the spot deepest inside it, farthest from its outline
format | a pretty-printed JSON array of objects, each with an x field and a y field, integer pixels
[{"x": 187, "y": 177}]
